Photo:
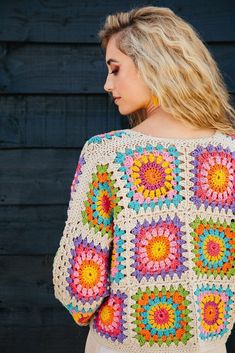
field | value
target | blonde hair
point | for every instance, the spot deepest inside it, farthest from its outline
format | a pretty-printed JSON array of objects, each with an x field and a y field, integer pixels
[{"x": 175, "y": 65}]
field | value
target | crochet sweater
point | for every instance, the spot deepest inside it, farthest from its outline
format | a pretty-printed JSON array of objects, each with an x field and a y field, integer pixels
[{"x": 147, "y": 255}]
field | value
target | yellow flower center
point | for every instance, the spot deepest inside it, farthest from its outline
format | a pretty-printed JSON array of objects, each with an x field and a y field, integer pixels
[
  {"x": 218, "y": 178},
  {"x": 106, "y": 314},
  {"x": 158, "y": 248},
  {"x": 90, "y": 273}
]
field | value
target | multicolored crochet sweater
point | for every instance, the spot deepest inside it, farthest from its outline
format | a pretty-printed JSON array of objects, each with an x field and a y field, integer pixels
[{"x": 147, "y": 256}]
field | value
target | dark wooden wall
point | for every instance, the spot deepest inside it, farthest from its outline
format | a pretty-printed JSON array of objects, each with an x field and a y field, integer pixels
[{"x": 52, "y": 100}]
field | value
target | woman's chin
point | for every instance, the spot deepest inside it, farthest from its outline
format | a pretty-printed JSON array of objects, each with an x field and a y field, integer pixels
[{"x": 125, "y": 111}]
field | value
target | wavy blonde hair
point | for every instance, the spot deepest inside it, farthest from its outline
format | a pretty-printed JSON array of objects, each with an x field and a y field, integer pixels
[{"x": 175, "y": 65}]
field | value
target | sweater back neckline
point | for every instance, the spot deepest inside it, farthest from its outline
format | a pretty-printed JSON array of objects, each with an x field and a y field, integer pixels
[{"x": 173, "y": 139}]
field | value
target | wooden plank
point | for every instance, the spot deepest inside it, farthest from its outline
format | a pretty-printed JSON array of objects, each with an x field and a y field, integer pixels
[
  {"x": 27, "y": 293},
  {"x": 41, "y": 68},
  {"x": 46, "y": 339},
  {"x": 37, "y": 176},
  {"x": 56, "y": 120},
  {"x": 72, "y": 21},
  {"x": 230, "y": 345},
  {"x": 32, "y": 230},
  {"x": 54, "y": 340}
]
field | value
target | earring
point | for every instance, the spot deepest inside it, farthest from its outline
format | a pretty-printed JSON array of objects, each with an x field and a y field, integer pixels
[{"x": 153, "y": 100}]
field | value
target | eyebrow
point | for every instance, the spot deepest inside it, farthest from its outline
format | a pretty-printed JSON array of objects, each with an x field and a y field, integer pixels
[{"x": 111, "y": 60}]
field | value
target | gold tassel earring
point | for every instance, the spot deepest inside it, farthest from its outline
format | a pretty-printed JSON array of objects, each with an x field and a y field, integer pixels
[{"x": 153, "y": 100}]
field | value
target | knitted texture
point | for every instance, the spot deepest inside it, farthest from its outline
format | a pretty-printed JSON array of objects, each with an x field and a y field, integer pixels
[{"x": 147, "y": 255}]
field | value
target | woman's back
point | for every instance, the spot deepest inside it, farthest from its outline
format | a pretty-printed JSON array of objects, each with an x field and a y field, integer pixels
[{"x": 147, "y": 257}]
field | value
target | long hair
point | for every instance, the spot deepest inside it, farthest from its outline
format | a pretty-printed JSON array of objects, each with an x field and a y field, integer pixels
[{"x": 175, "y": 64}]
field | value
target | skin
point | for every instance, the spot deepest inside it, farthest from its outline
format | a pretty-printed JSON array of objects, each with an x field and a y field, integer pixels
[{"x": 123, "y": 80}]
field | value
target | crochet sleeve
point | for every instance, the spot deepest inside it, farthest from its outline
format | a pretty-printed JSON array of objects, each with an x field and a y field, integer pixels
[{"x": 81, "y": 265}]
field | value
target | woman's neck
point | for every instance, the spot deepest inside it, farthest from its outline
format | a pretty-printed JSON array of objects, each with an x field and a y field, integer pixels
[{"x": 162, "y": 124}]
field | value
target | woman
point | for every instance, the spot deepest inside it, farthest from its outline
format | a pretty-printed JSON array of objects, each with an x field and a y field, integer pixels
[{"x": 147, "y": 257}]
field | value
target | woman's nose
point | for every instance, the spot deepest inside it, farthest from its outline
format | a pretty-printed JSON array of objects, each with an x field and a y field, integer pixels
[{"x": 108, "y": 85}]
